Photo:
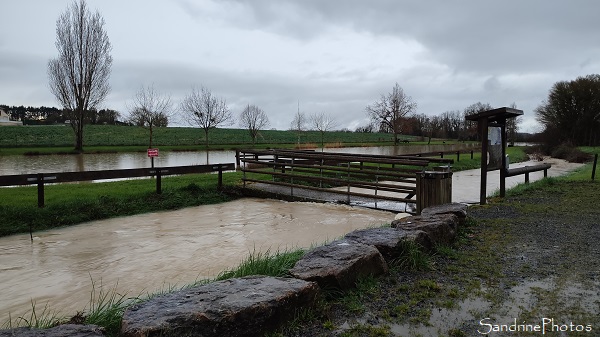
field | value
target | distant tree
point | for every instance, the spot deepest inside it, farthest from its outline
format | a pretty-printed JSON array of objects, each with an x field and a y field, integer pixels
[
  {"x": 369, "y": 128},
  {"x": 571, "y": 113},
  {"x": 322, "y": 122},
  {"x": 254, "y": 119},
  {"x": 298, "y": 124},
  {"x": 205, "y": 110},
  {"x": 79, "y": 75},
  {"x": 108, "y": 116},
  {"x": 470, "y": 128},
  {"x": 150, "y": 109},
  {"x": 512, "y": 127},
  {"x": 389, "y": 109}
]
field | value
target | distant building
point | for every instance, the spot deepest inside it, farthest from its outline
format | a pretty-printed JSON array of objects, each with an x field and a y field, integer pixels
[{"x": 5, "y": 119}]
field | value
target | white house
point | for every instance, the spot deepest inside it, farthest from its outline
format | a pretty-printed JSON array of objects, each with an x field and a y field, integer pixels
[{"x": 5, "y": 119}]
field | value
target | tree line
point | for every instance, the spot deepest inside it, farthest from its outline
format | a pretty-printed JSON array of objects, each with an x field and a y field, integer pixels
[{"x": 51, "y": 115}]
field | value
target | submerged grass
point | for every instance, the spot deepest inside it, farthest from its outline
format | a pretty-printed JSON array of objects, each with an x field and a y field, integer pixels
[{"x": 69, "y": 204}]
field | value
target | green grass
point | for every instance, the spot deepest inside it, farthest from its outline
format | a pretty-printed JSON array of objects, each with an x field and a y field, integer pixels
[
  {"x": 68, "y": 204},
  {"x": 180, "y": 137}
]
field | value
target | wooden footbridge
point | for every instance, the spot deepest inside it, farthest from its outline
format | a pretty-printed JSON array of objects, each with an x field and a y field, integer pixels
[{"x": 404, "y": 180}]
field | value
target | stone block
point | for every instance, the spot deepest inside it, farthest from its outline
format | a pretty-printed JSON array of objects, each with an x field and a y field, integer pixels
[
  {"x": 248, "y": 306},
  {"x": 390, "y": 241},
  {"x": 441, "y": 229},
  {"x": 65, "y": 330},
  {"x": 458, "y": 209},
  {"x": 339, "y": 264}
]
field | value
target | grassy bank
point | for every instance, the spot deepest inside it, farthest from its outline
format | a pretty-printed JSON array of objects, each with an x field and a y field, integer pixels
[
  {"x": 107, "y": 137},
  {"x": 69, "y": 204}
]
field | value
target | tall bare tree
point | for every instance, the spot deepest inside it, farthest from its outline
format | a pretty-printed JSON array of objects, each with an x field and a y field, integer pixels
[
  {"x": 322, "y": 122},
  {"x": 78, "y": 77},
  {"x": 389, "y": 109},
  {"x": 205, "y": 110},
  {"x": 298, "y": 124},
  {"x": 150, "y": 109},
  {"x": 254, "y": 119}
]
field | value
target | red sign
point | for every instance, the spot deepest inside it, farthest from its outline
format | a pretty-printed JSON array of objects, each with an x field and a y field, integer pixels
[{"x": 152, "y": 152}]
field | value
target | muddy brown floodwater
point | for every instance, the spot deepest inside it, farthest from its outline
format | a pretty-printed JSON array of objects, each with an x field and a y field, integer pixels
[{"x": 146, "y": 253}]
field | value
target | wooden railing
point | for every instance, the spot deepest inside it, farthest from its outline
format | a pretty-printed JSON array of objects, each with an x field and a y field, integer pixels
[
  {"x": 391, "y": 178},
  {"x": 40, "y": 179}
]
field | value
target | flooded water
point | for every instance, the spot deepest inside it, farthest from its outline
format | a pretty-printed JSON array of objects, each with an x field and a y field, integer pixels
[
  {"x": 113, "y": 161},
  {"x": 150, "y": 252}
]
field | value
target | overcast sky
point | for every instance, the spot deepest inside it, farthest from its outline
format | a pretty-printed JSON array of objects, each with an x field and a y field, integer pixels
[{"x": 331, "y": 56}]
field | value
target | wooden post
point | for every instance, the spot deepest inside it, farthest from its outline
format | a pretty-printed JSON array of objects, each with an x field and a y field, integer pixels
[
  {"x": 471, "y": 154},
  {"x": 526, "y": 177},
  {"x": 237, "y": 159},
  {"x": 220, "y": 181},
  {"x": 503, "y": 165},
  {"x": 158, "y": 182},
  {"x": 545, "y": 173},
  {"x": 483, "y": 132},
  {"x": 457, "y": 156},
  {"x": 594, "y": 167},
  {"x": 40, "y": 189}
]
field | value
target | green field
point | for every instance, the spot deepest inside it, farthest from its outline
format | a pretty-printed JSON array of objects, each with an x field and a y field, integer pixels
[{"x": 176, "y": 137}]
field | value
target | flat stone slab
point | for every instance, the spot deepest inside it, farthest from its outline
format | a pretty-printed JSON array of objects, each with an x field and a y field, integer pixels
[
  {"x": 390, "y": 242},
  {"x": 441, "y": 228},
  {"x": 248, "y": 306},
  {"x": 339, "y": 264},
  {"x": 65, "y": 330},
  {"x": 458, "y": 209}
]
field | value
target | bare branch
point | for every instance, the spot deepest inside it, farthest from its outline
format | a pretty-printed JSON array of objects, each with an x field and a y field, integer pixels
[{"x": 254, "y": 119}]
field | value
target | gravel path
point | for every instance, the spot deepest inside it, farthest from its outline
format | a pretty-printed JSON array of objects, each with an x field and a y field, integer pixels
[{"x": 532, "y": 259}]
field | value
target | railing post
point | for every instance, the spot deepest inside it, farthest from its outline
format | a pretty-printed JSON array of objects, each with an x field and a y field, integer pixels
[
  {"x": 526, "y": 177},
  {"x": 40, "y": 189},
  {"x": 471, "y": 154},
  {"x": 237, "y": 159},
  {"x": 457, "y": 156},
  {"x": 158, "y": 182}
]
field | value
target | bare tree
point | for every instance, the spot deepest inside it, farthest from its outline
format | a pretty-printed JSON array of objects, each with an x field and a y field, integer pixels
[
  {"x": 150, "y": 109},
  {"x": 512, "y": 126},
  {"x": 298, "y": 123},
  {"x": 322, "y": 122},
  {"x": 78, "y": 77},
  {"x": 254, "y": 119},
  {"x": 389, "y": 109},
  {"x": 205, "y": 110}
]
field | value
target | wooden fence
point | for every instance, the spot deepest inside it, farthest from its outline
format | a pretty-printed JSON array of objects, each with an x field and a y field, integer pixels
[
  {"x": 40, "y": 179},
  {"x": 390, "y": 178}
]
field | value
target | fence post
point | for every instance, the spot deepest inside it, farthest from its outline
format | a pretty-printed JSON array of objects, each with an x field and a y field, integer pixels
[
  {"x": 237, "y": 159},
  {"x": 457, "y": 156},
  {"x": 594, "y": 167},
  {"x": 158, "y": 182},
  {"x": 471, "y": 154},
  {"x": 40, "y": 189},
  {"x": 527, "y": 177},
  {"x": 220, "y": 181}
]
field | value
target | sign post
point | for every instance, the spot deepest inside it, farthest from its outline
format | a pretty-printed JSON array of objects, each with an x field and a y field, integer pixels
[{"x": 151, "y": 154}]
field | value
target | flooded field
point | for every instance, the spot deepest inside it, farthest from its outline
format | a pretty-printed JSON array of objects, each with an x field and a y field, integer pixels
[{"x": 150, "y": 252}]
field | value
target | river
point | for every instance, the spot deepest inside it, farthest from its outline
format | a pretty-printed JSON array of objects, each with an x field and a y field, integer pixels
[{"x": 113, "y": 161}]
